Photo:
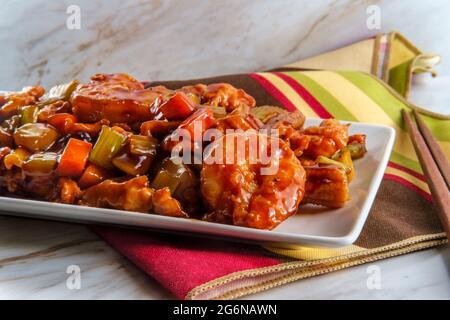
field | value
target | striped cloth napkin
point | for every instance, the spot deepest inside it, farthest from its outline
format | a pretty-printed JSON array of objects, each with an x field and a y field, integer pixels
[{"x": 401, "y": 220}]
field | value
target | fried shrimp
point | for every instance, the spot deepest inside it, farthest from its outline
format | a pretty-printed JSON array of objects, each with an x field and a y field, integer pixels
[{"x": 251, "y": 191}]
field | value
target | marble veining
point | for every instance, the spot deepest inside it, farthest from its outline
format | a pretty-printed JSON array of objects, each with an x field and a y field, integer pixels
[
  {"x": 184, "y": 39},
  {"x": 193, "y": 38}
]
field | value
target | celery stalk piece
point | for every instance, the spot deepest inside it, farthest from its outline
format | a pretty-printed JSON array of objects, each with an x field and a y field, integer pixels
[
  {"x": 107, "y": 146},
  {"x": 178, "y": 177},
  {"x": 35, "y": 136},
  {"x": 29, "y": 114},
  {"x": 165, "y": 179},
  {"x": 168, "y": 176},
  {"x": 143, "y": 145},
  {"x": 219, "y": 112},
  {"x": 357, "y": 150},
  {"x": 325, "y": 160},
  {"x": 58, "y": 92},
  {"x": 61, "y": 91},
  {"x": 40, "y": 164},
  {"x": 132, "y": 164}
]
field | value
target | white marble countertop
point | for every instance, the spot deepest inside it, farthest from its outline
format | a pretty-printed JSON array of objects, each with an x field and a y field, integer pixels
[{"x": 168, "y": 40}]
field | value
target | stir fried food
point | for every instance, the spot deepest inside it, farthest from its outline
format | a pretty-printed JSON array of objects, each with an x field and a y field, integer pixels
[{"x": 203, "y": 151}]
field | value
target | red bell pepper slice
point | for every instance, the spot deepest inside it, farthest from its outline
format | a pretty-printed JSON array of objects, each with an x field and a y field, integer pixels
[
  {"x": 203, "y": 118},
  {"x": 74, "y": 158},
  {"x": 358, "y": 138},
  {"x": 204, "y": 115},
  {"x": 177, "y": 107}
]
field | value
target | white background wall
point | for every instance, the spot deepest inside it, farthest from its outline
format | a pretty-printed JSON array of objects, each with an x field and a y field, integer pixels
[{"x": 192, "y": 38}]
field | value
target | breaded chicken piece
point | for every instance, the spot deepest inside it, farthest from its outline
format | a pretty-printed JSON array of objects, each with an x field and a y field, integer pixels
[{"x": 326, "y": 186}]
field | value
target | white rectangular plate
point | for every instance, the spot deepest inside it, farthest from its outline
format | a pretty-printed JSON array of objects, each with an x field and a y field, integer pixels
[{"x": 313, "y": 225}]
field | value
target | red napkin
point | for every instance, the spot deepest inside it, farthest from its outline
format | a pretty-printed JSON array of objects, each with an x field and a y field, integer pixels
[{"x": 181, "y": 264}]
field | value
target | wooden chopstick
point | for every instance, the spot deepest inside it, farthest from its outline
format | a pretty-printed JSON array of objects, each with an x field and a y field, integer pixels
[
  {"x": 436, "y": 151},
  {"x": 436, "y": 182}
]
